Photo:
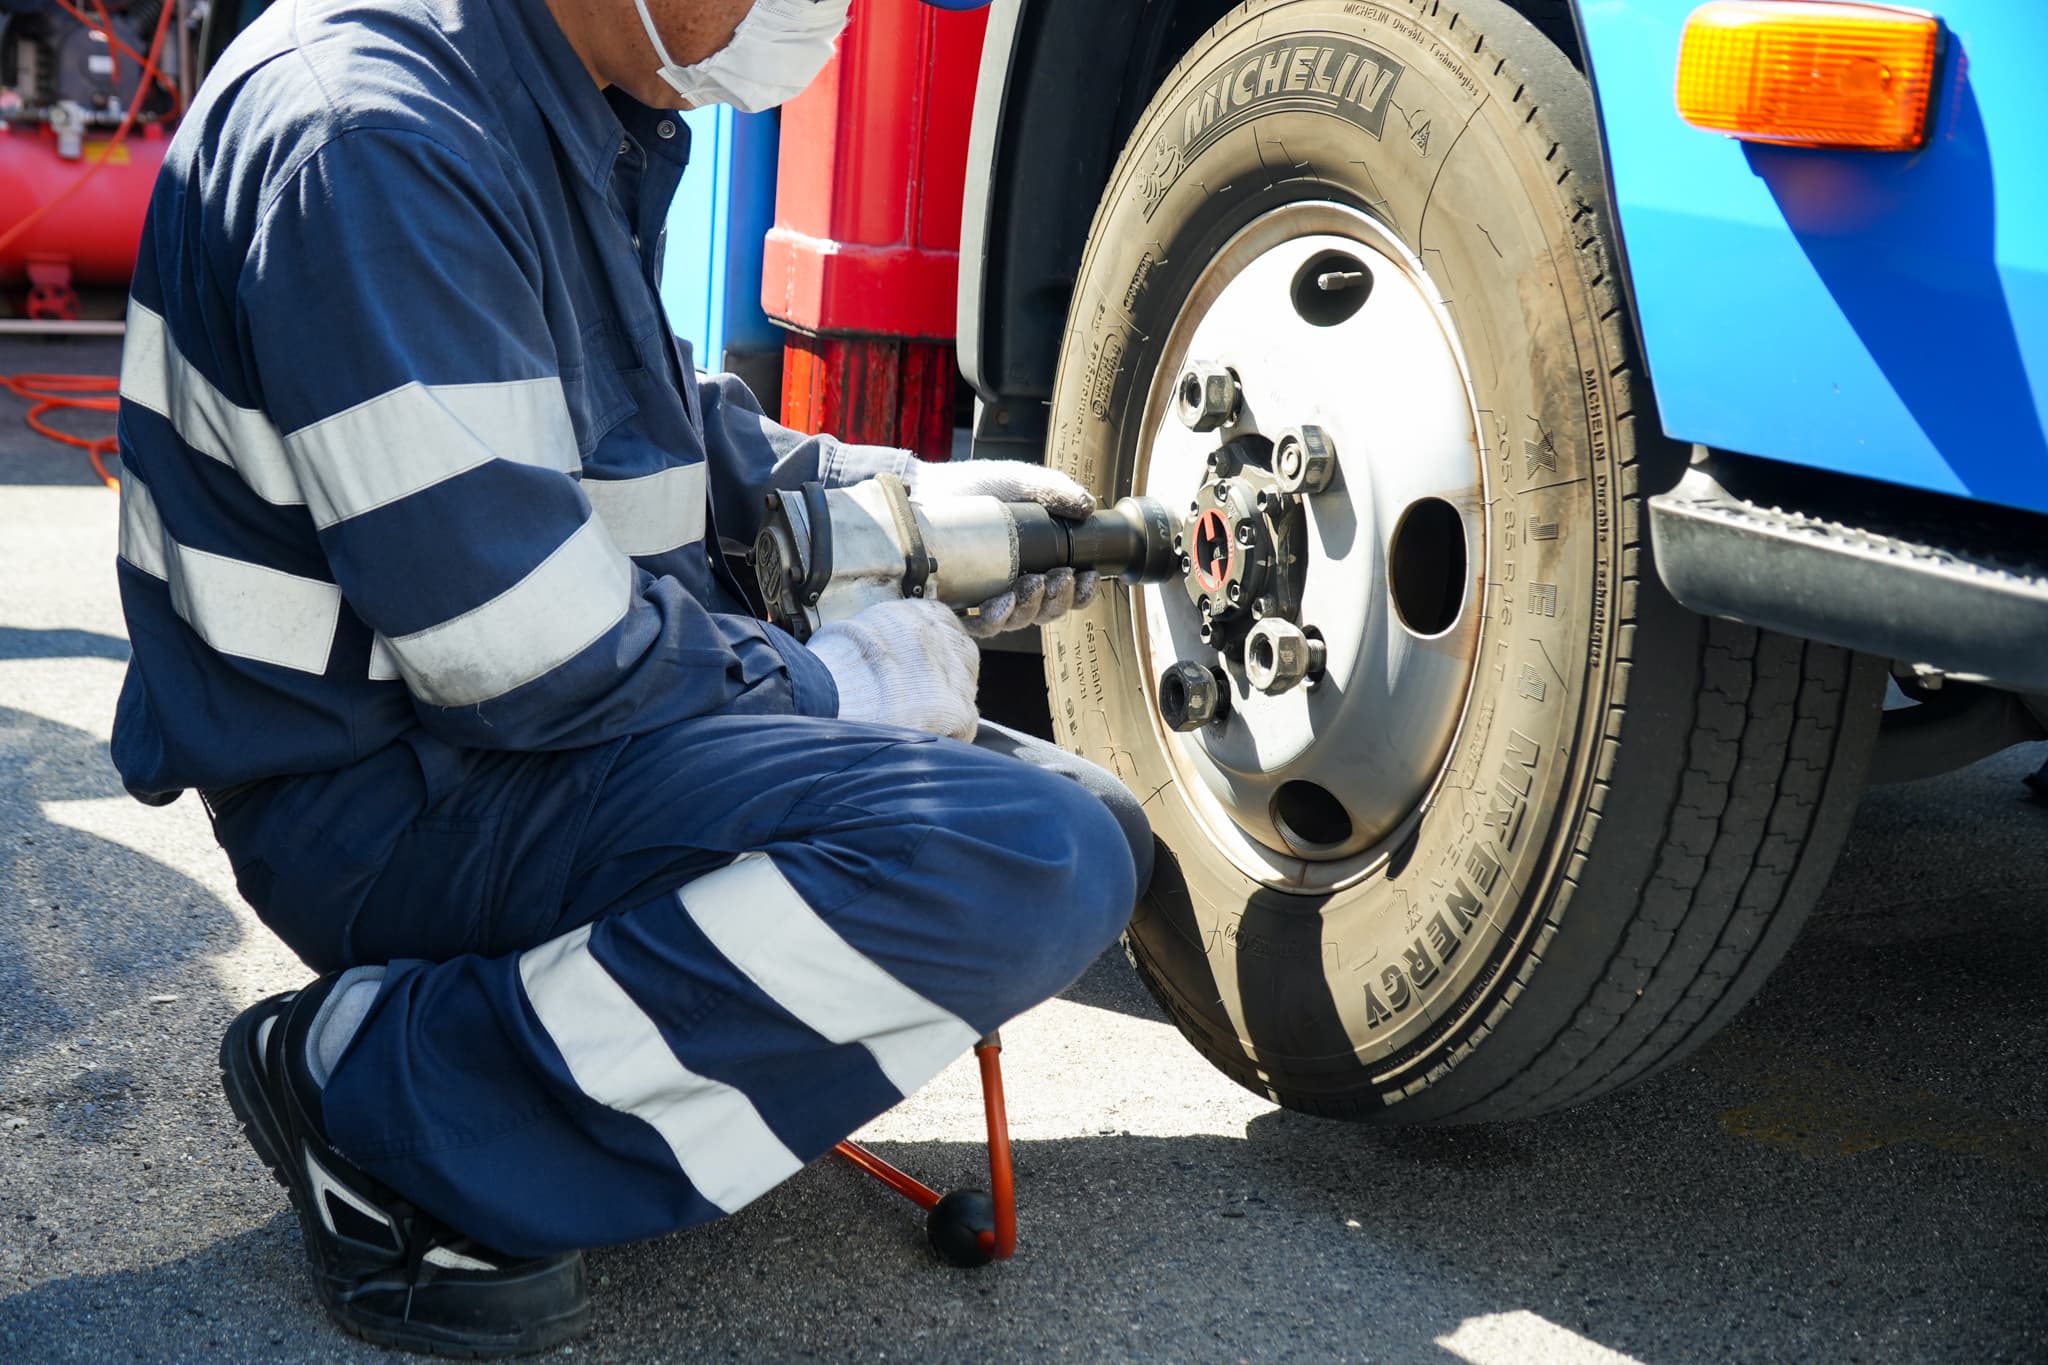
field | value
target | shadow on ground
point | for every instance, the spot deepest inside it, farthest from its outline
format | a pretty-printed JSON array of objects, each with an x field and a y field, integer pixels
[
  {"x": 87, "y": 919},
  {"x": 30, "y": 642},
  {"x": 1857, "y": 1170},
  {"x": 1669, "y": 1241},
  {"x": 110, "y": 1147}
]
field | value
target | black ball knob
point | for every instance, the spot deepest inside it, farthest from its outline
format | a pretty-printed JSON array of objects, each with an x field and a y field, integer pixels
[{"x": 955, "y": 1225}]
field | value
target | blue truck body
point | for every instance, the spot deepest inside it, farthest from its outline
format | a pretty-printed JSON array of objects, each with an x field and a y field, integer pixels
[{"x": 1867, "y": 313}]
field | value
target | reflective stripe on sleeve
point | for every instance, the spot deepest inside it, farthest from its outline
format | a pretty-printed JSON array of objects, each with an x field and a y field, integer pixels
[
  {"x": 417, "y": 435},
  {"x": 538, "y": 624},
  {"x": 241, "y": 609},
  {"x": 618, "y": 1058},
  {"x": 143, "y": 542},
  {"x": 653, "y": 515},
  {"x": 752, "y": 915},
  {"x": 156, "y": 376},
  {"x": 383, "y": 663}
]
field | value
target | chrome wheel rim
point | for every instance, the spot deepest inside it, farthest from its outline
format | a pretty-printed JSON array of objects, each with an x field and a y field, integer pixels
[{"x": 1310, "y": 788}]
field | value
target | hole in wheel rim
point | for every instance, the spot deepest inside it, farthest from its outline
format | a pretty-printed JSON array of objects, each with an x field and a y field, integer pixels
[
  {"x": 1426, "y": 567},
  {"x": 1331, "y": 288},
  {"x": 1310, "y": 817}
]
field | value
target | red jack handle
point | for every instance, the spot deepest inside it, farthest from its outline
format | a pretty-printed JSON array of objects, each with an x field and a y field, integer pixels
[
  {"x": 1002, "y": 1185},
  {"x": 999, "y": 1243}
]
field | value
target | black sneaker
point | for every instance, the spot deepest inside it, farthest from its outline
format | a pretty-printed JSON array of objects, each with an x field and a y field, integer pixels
[{"x": 386, "y": 1271}]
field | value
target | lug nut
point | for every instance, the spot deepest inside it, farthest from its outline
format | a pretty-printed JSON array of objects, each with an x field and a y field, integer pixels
[
  {"x": 1278, "y": 655},
  {"x": 1209, "y": 396},
  {"x": 1304, "y": 459},
  {"x": 1247, "y": 534},
  {"x": 1193, "y": 695}
]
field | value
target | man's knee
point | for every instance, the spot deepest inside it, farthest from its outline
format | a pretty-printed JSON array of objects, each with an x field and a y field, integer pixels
[
  {"x": 1013, "y": 876},
  {"x": 1104, "y": 785},
  {"x": 1102, "y": 877},
  {"x": 1061, "y": 890},
  {"x": 1136, "y": 826}
]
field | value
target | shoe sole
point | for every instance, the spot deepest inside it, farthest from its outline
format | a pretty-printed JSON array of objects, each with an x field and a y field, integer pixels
[
  {"x": 541, "y": 1337},
  {"x": 241, "y": 1082},
  {"x": 380, "y": 1330}
]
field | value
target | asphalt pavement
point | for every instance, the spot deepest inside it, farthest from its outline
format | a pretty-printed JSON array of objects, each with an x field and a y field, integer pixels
[{"x": 1857, "y": 1170}]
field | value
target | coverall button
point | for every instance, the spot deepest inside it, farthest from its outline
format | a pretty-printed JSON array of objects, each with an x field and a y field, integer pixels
[
  {"x": 626, "y": 147},
  {"x": 665, "y": 129}
]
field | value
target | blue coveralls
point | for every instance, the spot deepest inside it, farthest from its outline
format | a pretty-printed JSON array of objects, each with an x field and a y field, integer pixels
[{"x": 420, "y": 520}]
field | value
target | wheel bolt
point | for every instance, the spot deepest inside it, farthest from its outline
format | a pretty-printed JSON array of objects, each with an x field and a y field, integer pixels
[
  {"x": 1209, "y": 396},
  {"x": 1247, "y": 534},
  {"x": 1236, "y": 593},
  {"x": 1304, "y": 459}
]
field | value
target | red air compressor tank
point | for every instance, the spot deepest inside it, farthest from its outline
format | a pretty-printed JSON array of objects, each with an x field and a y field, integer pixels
[{"x": 95, "y": 231}]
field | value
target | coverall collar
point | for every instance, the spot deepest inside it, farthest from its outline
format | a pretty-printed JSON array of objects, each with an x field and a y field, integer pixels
[{"x": 589, "y": 123}]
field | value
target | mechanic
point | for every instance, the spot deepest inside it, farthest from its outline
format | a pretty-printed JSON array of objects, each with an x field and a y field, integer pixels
[{"x": 625, "y": 904}]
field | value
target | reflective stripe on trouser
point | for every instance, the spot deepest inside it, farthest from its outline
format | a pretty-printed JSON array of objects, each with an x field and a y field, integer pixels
[{"x": 729, "y": 945}]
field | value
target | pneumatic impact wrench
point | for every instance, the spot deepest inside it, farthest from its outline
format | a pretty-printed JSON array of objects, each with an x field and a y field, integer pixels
[{"x": 823, "y": 554}]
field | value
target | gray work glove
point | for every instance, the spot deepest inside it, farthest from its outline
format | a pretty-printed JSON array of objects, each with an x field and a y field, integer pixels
[
  {"x": 907, "y": 663},
  {"x": 1034, "y": 599}
]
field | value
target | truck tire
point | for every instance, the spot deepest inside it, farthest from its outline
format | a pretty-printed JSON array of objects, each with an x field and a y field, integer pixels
[{"x": 1535, "y": 831}]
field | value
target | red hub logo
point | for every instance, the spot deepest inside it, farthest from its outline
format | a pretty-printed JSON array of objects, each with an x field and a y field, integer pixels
[{"x": 1215, "y": 550}]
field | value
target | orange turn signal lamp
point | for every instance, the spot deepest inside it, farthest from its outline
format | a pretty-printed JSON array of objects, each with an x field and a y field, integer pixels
[{"x": 1808, "y": 73}]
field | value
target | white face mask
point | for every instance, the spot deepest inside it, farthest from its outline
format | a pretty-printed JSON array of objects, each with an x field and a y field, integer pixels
[{"x": 777, "y": 51}]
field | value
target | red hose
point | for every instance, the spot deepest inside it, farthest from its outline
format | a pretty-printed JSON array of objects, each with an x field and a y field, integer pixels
[
  {"x": 115, "y": 46},
  {"x": 52, "y": 393}
]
